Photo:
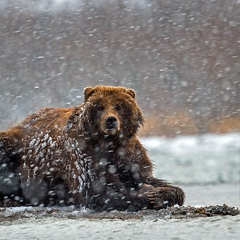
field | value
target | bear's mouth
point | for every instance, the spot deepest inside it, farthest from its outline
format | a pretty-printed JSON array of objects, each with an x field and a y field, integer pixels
[
  {"x": 111, "y": 125},
  {"x": 111, "y": 131}
]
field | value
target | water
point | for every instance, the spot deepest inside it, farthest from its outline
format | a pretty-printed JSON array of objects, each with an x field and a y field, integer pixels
[
  {"x": 206, "y": 167},
  {"x": 196, "y": 159}
]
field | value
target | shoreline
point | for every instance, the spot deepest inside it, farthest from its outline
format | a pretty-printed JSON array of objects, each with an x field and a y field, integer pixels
[
  {"x": 25, "y": 223},
  {"x": 201, "y": 201}
]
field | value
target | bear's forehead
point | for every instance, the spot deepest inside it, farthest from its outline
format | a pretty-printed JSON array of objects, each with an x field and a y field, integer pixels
[
  {"x": 110, "y": 96},
  {"x": 108, "y": 101}
]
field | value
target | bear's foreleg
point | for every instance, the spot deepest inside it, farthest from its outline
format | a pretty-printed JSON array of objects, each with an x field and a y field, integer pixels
[
  {"x": 161, "y": 194},
  {"x": 10, "y": 192}
]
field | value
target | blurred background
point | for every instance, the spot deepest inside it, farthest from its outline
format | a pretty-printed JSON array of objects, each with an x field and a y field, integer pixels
[{"x": 182, "y": 57}]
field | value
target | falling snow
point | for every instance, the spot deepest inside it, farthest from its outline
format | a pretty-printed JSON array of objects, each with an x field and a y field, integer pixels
[{"x": 181, "y": 57}]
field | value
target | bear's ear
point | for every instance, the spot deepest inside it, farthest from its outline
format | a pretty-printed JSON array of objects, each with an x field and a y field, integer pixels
[
  {"x": 131, "y": 92},
  {"x": 88, "y": 91}
]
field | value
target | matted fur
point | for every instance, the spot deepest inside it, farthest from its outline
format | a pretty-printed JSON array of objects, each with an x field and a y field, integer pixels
[{"x": 87, "y": 155}]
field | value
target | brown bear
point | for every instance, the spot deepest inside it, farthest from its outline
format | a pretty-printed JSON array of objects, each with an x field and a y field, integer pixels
[{"x": 87, "y": 155}]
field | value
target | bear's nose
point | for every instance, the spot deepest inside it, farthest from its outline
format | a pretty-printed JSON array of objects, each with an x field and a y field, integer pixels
[{"x": 111, "y": 122}]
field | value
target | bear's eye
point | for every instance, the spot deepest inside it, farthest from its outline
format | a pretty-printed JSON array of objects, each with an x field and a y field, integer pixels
[
  {"x": 118, "y": 108},
  {"x": 100, "y": 108}
]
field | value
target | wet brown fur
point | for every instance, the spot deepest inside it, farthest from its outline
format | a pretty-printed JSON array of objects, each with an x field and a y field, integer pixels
[{"x": 75, "y": 156}]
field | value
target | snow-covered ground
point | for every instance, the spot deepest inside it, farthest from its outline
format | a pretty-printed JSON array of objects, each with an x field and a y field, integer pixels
[
  {"x": 220, "y": 228},
  {"x": 206, "y": 167}
]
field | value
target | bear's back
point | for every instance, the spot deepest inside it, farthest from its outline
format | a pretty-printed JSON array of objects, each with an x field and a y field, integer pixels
[{"x": 53, "y": 120}]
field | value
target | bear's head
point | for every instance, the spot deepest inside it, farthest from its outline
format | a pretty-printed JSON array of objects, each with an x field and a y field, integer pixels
[{"x": 110, "y": 111}]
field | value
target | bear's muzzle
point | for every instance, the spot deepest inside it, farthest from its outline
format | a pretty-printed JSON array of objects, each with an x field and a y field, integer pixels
[{"x": 111, "y": 125}]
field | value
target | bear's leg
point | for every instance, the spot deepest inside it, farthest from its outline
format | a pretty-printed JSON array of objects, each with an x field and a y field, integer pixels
[
  {"x": 167, "y": 196},
  {"x": 46, "y": 192},
  {"x": 58, "y": 194},
  {"x": 9, "y": 177},
  {"x": 161, "y": 194},
  {"x": 35, "y": 191}
]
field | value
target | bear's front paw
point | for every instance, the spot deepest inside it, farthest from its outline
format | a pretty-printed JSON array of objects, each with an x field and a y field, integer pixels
[
  {"x": 164, "y": 197},
  {"x": 157, "y": 200}
]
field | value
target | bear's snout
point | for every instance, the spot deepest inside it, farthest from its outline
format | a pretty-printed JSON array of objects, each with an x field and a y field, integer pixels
[{"x": 111, "y": 122}]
